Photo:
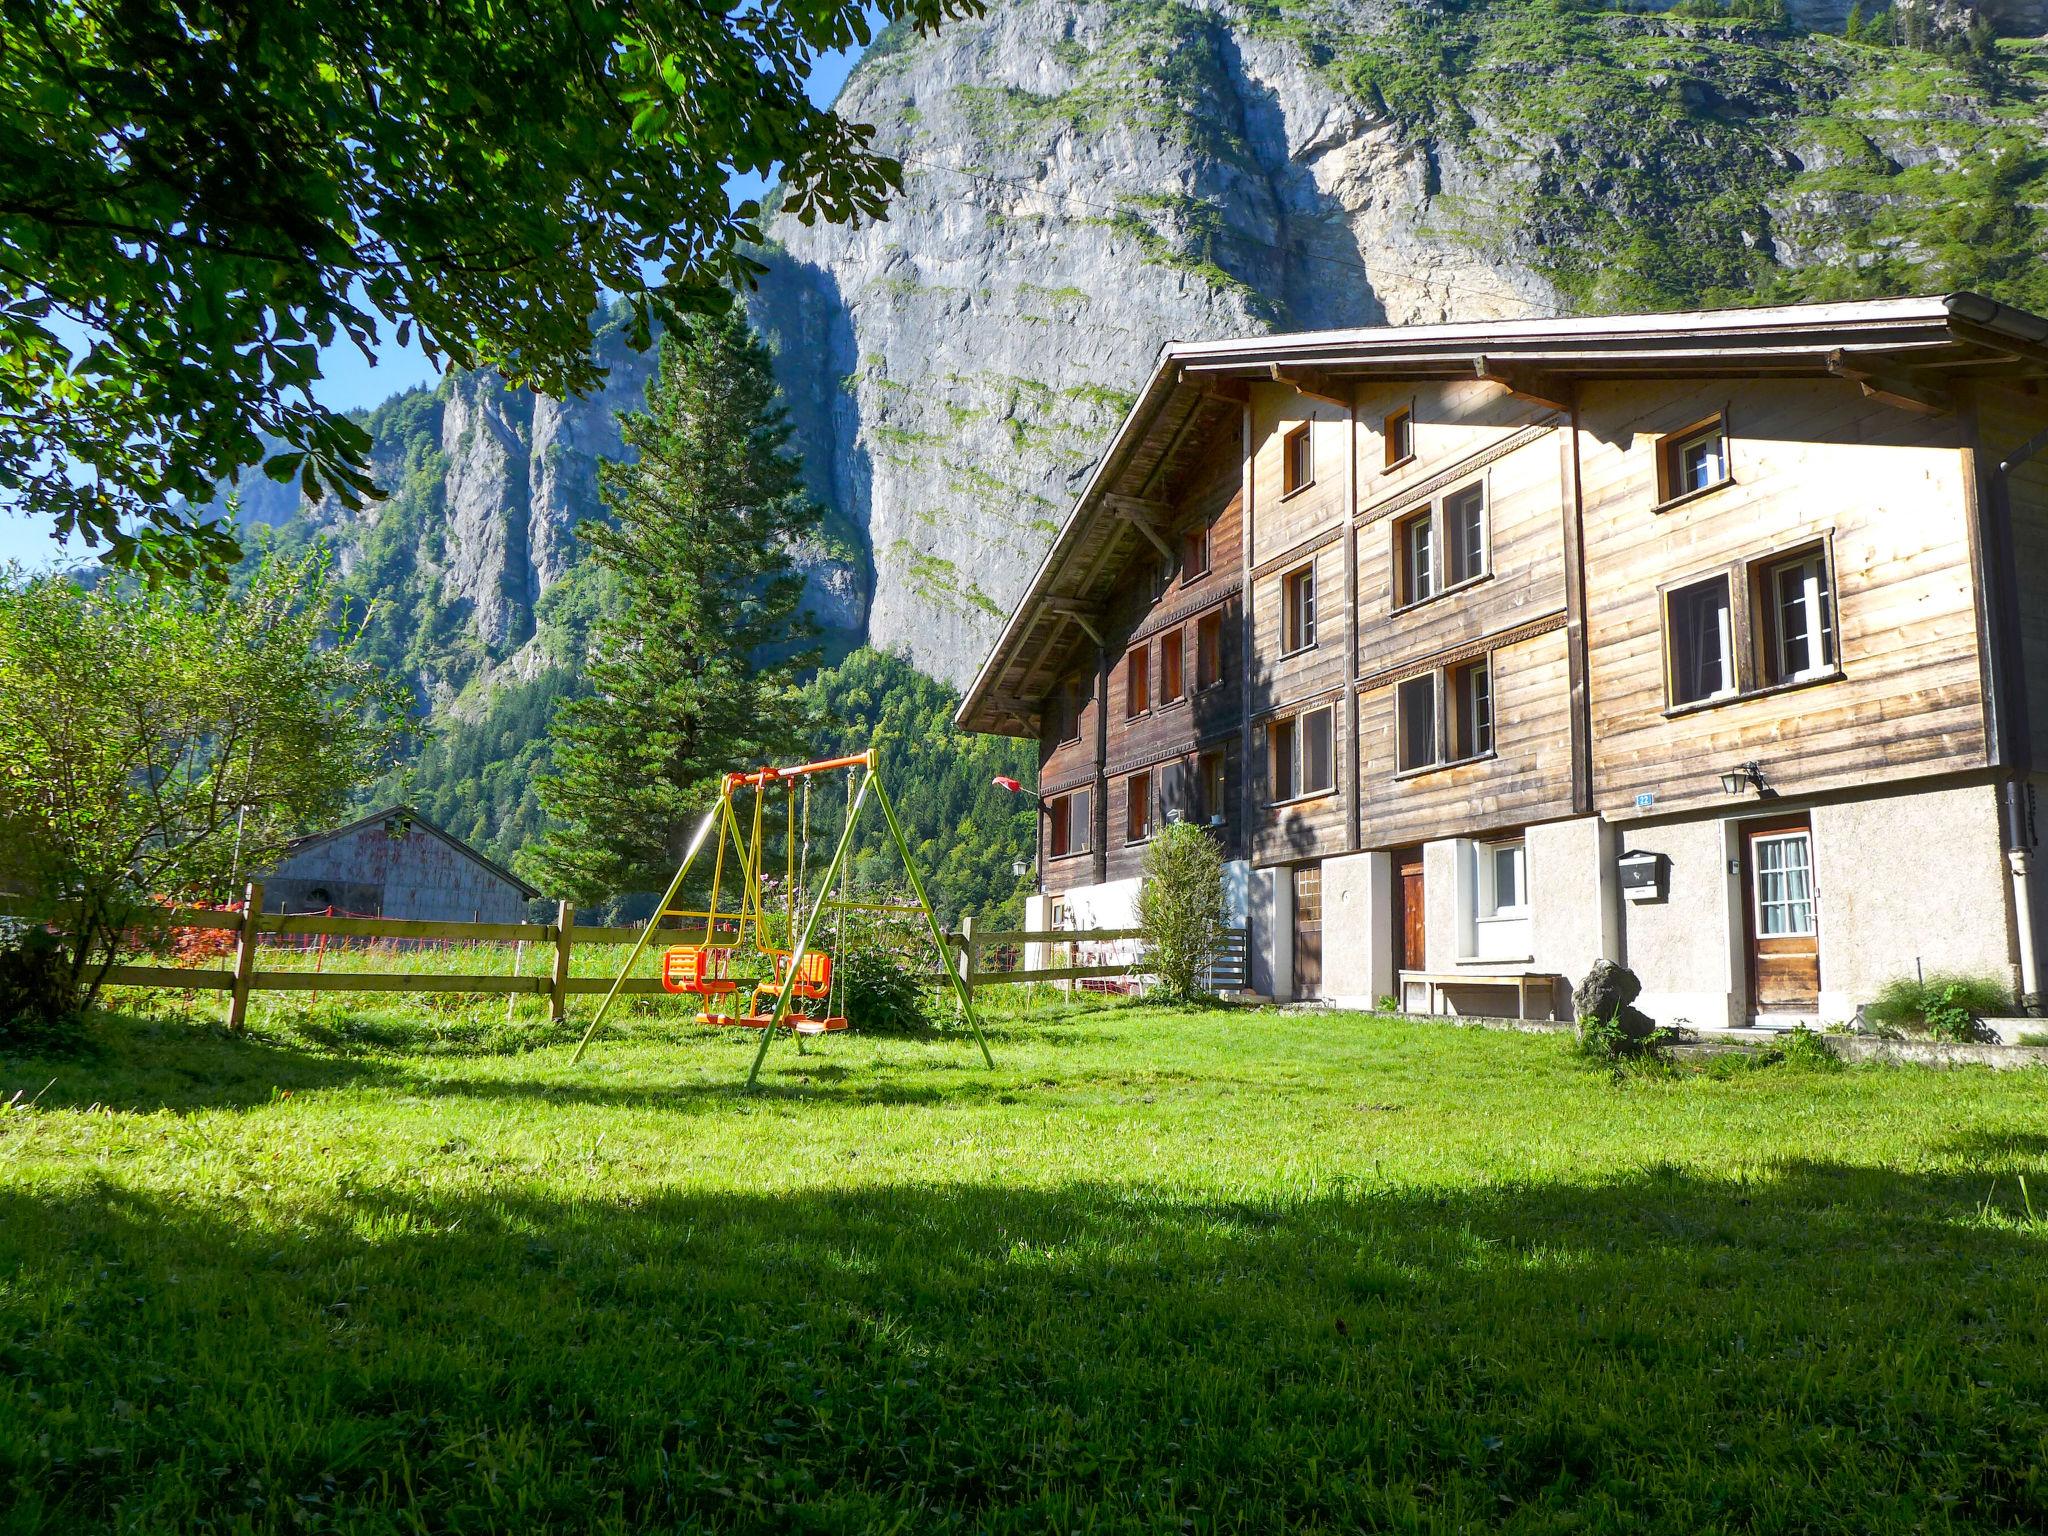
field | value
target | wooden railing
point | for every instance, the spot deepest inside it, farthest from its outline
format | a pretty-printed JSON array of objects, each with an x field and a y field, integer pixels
[
  {"x": 1228, "y": 969},
  {"x": 252, "y": 925}
]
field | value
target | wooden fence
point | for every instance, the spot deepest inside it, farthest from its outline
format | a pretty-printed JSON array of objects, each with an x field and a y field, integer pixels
[
  {"x": 1228, "y": 969},
  {"x": 252, "y": 925}
]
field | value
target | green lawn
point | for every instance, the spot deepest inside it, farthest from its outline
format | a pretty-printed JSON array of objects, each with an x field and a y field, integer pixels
[{"x": 1225, "y": 1271}]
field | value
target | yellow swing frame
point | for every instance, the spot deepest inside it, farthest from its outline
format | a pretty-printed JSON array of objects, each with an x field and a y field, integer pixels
[{"x": 722, "y": 821}]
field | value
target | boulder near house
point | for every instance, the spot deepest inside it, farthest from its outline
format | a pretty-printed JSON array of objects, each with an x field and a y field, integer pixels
[{"x": 1707, "y": 643}]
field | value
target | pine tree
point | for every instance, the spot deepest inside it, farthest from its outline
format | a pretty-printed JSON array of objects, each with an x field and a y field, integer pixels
[{"x": 697, "y": 654}]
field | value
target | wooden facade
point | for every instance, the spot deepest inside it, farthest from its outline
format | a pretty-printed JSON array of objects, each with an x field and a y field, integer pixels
[{"x": 1499, "y": 523}]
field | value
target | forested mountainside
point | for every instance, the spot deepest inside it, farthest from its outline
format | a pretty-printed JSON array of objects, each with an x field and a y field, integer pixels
[{"x": 1087, "y": 181}]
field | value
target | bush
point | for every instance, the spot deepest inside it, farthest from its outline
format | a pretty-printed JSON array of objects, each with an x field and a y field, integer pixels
[
  {"x": 885, "y": 968},
  {"x": 36, "y": 995},
  {"x": 1180, "y": 909},
  {"x": 1612, "y": 1039},
  {"x": 1803, "y": 1048},
  {"x": 1949, "y": 1005}
]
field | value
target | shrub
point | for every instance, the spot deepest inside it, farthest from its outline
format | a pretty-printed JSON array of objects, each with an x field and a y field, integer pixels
[
  {"x": 886, "y": 970},
  {"x": 1612, "y": 1040},
  {"x": 1949, "y": 1005},
  {"x": 1180, "y": 909},
  {"x": 1804, "y": 1048},
  {"x": 36, "y": 995}
]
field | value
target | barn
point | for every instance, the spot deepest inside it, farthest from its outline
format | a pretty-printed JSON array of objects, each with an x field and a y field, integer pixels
[{"x": 395, "y": 863}]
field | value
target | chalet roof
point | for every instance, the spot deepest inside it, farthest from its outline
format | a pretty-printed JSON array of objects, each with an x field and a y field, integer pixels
[
  {"x": 1900, "y": 347},
  {"x": 300, "y": 845}
]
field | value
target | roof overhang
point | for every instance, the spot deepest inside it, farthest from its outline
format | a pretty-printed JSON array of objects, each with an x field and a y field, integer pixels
[{"x": 1904, "y": 350}]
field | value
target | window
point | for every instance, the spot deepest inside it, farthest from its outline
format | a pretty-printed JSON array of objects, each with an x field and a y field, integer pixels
[
  {"x": 1415, "y": 547},
  {"x": 1398, "y": 432},
  {"x": 1302, "y": 755},
  {"x": 1297, "y": 460},
  {"x": 1692, "y": 461},
  {"x": 1069, "y": 817},
  {"x": 1071, "y": 701},
  {"x": 1784, "y": 885},
  {"x": 1465, "y": 728},
  {"x": 1465, "y": 534},
  {"x": 1298, "y": 599},
  {"x": 1471, "y": 716},
  {"x": 1438, "y": 547},
  {"x": 1137, "y": 807},
  {"x": 1209, "y": 787},
  {"x": 1797, "y": 602},
  {"x": 1209, "y": 650},
  {"x": 1415, "y": 722},
  {"x": 1194, "y": 553},
  {"x": 1702, "y": 645},
  {"x": 1503, "y": 881},
  {"x": 1137, "y": 683},
  {"x": 1172, "y": 663},
  {"x": 1161, "y": 579}
]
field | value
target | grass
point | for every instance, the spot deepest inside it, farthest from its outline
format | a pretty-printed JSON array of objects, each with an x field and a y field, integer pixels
[{"x": 1223, "y": 1271}]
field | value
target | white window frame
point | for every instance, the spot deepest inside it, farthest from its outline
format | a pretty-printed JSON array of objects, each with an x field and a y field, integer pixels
[
  {"x": 1474, "y": 726},
  {"x": 1424, "y": 558},
  {"x": 1431, "y": 719},
  {"x": 1132, "y": 784},
  {"x": 1302, "y": 432},
  {"x": 1491, "y": 908},
  {"x": 1673, "y": 484},
  {"x": 1816, "y": 605},
  {"x": 1760, "y": 907},
  {"x": 1298, "y": 616},
  {"x": 1673, "y": 639},
  {"x": 1452, "y": 546},
  {"x": 1445, "y": 728}
]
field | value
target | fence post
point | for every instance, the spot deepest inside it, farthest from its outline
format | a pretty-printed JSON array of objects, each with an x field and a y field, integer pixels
[
  {"x": 245, "y": 957},
  {"x": 970, "y": 955},
  {"x": 558, "y": 983}
]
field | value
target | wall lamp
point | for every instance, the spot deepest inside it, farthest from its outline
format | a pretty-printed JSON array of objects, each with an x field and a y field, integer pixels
[{"x": 1749, "y": 775}]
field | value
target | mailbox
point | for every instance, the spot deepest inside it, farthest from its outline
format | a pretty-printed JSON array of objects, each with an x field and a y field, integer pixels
[{"x": 1644, "y": 876}]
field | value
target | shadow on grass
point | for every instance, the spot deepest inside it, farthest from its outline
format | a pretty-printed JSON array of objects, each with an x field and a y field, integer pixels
[
  {"x": 128, "y": 1064},
  {"x": 1831, "y": 1347}
]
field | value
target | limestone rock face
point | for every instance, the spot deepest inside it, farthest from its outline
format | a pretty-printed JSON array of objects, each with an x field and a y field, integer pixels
[{"x": 1082, "y": 184}]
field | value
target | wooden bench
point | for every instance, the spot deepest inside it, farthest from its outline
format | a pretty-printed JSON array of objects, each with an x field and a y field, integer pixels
[{"x": 1521, "y": 981}]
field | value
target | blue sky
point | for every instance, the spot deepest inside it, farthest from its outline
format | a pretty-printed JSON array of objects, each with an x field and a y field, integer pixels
[{"x": 349, "y": 381}]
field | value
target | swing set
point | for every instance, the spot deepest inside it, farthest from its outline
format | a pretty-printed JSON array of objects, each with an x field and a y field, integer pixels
[{"x": 799, "y": 987}]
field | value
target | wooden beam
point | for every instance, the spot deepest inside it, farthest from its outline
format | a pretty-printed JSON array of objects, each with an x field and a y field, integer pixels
[
  {"x": 1908, "y": 394},
  {"x": 1531, "y": 384},
  {"x": 1067, "y": 608},
  {"x": 1236, "y": 391},
  {"x": 1145, "y": 516},
  {"x": 1313, "y": 385}
]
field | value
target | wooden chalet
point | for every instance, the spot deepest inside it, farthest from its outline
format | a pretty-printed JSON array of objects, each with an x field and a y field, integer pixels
[{"x": 1706, "y": 642}]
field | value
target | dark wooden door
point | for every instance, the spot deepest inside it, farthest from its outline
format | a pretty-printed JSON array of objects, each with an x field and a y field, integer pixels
[
  {"x": 1409, "y": 949},
  {"x": 1308, "y": 931},
  {"x": 1782, "y": 916}
]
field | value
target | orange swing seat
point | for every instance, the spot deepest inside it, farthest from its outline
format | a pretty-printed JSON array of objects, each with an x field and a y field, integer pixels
[
  {"x": 698, "y": 968},
  {"x": 813, "y": 984}
]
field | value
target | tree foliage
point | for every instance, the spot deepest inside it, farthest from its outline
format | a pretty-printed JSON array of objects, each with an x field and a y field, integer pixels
[
  {"x": 1180, "y": 908},
  {"x": 698, "y": 654},
  {"x": 197, "y": 195},
  {"x": 155, "y": 742},
  {"x": 966, "y": 835}
]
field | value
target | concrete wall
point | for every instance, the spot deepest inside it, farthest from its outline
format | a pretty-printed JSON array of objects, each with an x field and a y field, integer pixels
[
  {"x": 1269, "y": 895},
  {"x": 1910, "y": 877},
  {"x": 1358, "y": 929},
  {"x": 1686, "y": 948},
  {"x": 1574, "y": 905}
]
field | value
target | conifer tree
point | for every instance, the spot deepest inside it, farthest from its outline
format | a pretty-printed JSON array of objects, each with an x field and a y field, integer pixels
[{"x": 696, "y": 659}]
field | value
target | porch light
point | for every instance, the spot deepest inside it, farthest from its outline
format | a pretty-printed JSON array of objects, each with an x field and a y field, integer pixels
[{"x": 1749, "y": 775}]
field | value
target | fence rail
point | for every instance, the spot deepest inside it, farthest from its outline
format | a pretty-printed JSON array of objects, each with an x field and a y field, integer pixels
[
  {"x": 252, "y": 925},
  {"x": 1228, "y": 969}
]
